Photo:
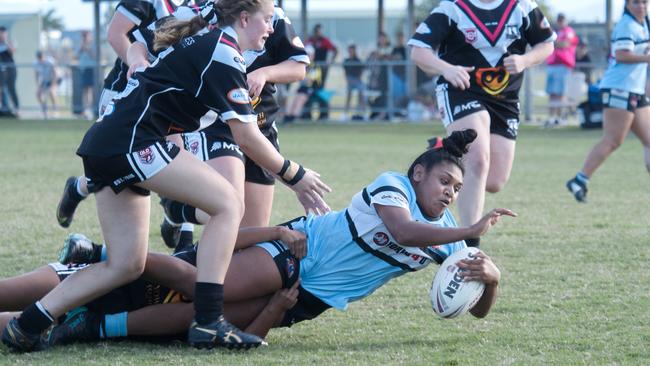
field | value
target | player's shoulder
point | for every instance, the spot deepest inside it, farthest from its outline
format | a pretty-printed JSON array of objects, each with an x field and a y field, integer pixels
[{"x": 392, "y": 181}]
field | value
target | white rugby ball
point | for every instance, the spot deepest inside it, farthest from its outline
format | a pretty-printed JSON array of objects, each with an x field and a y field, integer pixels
[{"x": 450, "y": 295}]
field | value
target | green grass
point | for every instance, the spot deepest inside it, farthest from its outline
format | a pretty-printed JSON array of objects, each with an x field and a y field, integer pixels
[{"x": 575, "y": 286}]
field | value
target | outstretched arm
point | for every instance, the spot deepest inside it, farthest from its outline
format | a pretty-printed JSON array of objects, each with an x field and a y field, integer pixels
[
  {"x": 285, "y": 72},
  {"x": 409, "y": 232}
]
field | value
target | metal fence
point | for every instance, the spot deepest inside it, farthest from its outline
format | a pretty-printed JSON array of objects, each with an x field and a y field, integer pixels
[{"x": 391, "y": 90}]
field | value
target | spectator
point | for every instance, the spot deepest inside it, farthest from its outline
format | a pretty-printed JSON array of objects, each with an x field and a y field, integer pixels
[
  {"x": 310, "y": 90},
  {"x": 398, "y": 76},
  {"x": 323, "y": 47},
  {"x": 582, "y": 57},
  {"x": 86, "y": 65},
  {"x": 378, "y": 78},
  {"x": 46, "y": 81},
  {"x": 7, "y": 75},
  {"x": 353, "y": 68},
  {"x": 560, "y": 64}
]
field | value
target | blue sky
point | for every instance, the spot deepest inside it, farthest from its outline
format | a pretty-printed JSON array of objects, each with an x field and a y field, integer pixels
[{"x": 78, "y": 14}]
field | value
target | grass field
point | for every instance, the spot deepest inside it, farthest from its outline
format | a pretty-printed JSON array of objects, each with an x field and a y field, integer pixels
[{"x": 575, "y": 285}]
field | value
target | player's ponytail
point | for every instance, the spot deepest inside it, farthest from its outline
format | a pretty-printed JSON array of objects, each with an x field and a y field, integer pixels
[
  {"x": 449, "y": 149},
  {"x": 173, "y": 30}
]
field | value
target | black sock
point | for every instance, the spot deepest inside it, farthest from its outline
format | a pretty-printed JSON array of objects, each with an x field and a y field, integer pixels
[
  {"x": 35, "y": 319},
  {"x": 473, "y": 242},
  {"x": 208, "y": 302},
  {"x": 186, "y": 238},
  {"x": 180, "y": 212}
]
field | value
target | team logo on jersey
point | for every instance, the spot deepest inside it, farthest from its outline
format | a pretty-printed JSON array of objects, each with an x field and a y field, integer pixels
[
  {"x": 147, "y": 156},
  {"x": 492, "y": 79},
  {"x": 290, "y": 267},
  {"x": 256, "y": 101},
  {"x": 471, "y": 34},
  {"x": 239, "y": 96},
  {"x": 381, "y": 239},
  {"x": 239, "y": 60}
]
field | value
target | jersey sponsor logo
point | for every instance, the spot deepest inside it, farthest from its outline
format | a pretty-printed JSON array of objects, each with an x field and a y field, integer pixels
[
  {"x": 261, "y": 119},
  {"x": 219, "y": 145},
  {"x": 467, "y": 107},
  {"x": 119, "y": 181},
  {"x": 493, "y": 80},
  {"x": 239, "y": 60},
  {"x": 147, "y": 156},
  {"x": 239, "y": 96},
  {"x": 471, "y": 35},
  {"x": 381, "y": 239}
]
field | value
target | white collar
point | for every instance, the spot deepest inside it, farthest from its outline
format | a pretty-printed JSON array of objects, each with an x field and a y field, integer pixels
[
  {"x": 486, "y": 6},
  {"x": 229, "y": 30}
]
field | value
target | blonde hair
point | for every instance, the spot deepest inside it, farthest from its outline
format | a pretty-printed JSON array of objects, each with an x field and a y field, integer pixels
[{"x": 227, "y": 11}]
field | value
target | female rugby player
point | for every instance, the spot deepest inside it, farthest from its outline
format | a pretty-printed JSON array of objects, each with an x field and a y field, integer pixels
[
  {"x": 126, "y": 148},
  {"x": 396, "y": 225},
  {"x": 479, "y": 49},
  {"x": 623, "y": 94},
  {"x": 130, "y": 18}
]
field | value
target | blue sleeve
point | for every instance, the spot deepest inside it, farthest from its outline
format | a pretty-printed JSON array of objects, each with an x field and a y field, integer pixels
[{"x": 390, "y": 189}]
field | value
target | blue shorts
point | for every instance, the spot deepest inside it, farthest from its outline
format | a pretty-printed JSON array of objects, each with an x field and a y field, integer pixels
[
  {"x": 556, "y": 76},
  {"x": 621, "y": 99}
]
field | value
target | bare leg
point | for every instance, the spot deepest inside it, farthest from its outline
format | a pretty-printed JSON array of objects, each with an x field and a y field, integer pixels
[
  {"x": 18, "y": 292},
  {"x": 641, "y": 128},
  {"x": 616, "y": 125},
  {"x": 502, "y": 155},
  {"x": 232, "y": 169},
  {"x": 259, "y": 202},
  {"x": 477, "y": 162}
]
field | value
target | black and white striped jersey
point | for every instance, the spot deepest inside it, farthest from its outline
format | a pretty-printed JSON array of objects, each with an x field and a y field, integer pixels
[
  {"x": 479, "y": 34},
  {"x": 282, "y": 45},
  {"x": 142, "y": 13},
  {"x": 201, "y": 73}
]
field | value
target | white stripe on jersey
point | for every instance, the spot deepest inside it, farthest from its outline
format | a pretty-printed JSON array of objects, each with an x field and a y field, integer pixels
[
  {"x": 122, "y": 10},
  {"x": 242, "y": 117},
  {"x": 198, "y": 90},
  {"x": 145, "y": 111}
]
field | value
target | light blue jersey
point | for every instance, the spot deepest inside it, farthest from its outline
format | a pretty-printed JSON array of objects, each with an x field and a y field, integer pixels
[
  {"x": 632, "y": 36},
  {"x": 351, "y": 253}
]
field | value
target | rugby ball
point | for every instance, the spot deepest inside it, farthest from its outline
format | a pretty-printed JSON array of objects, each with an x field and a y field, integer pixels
[{"x": 450, "y": 295}]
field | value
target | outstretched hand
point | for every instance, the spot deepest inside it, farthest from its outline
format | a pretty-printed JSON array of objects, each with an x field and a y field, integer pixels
[
  {"x": 310, "y": 190},
  {"x": 458, "y": 76},
  {"x": 489, "y": 220},
  {"x": 256, "y": 81}
]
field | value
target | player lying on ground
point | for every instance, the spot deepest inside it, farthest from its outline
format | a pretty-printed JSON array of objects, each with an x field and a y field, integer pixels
[{"x": 349, "y": 254}]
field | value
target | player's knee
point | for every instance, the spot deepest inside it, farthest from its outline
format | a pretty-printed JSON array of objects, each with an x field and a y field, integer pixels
[
  {"x": 231, "y": 207},
  {"x": 611, "y": 144},
  {"x": 494, "y": 186},
  {"x": 126, "y": 270}
]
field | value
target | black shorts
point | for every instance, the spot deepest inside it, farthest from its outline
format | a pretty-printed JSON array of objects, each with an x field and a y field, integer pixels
[
  {"x": 621, "y": 99},
  {"x": 217, "y": 141},
  {"x": 308, "y": 307},
  {"x": 124, "y": 171},
  {"x": 455, "y": 104},
  {"x": 288, "y": 265},
  {"x": 212, "y": 143},
  {"x": 254, "y": 172}
]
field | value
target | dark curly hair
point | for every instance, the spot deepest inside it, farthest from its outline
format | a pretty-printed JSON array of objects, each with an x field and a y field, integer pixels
[{"x": 451, "y": 149}]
